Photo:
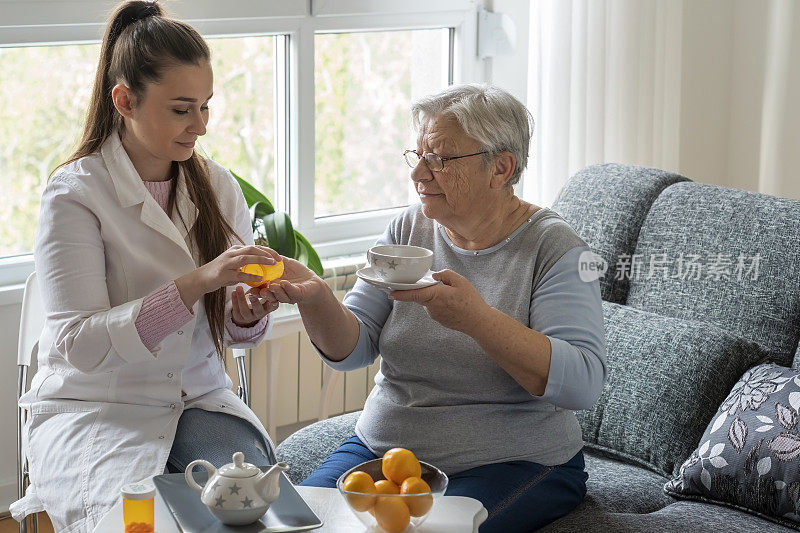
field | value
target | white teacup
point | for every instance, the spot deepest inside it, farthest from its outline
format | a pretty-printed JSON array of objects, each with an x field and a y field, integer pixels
[{"x": 400, "y": 263}]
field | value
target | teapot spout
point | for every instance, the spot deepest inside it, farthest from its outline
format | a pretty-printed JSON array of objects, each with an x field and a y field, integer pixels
[{"x": 267, "y": 484}]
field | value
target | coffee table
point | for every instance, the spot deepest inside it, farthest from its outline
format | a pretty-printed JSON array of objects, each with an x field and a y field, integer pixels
[{"x": 451, "y": 514}]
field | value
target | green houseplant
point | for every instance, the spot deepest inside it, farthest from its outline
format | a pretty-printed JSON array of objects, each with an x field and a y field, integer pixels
[{"x": 274, "y": 228}]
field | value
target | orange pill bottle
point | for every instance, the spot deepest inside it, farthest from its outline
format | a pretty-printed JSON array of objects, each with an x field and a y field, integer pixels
[{"x": 138, "y": 507}]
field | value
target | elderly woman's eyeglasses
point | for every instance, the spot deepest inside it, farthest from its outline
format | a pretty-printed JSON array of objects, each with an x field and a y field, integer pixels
[{"x": 434, "y": 161}]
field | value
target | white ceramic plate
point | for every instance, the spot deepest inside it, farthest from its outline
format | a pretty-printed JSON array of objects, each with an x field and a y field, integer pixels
[{"x": 368, "y": 275}]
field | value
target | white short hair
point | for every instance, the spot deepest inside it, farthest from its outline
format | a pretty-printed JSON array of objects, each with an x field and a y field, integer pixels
[{"x": 489, "y": 115}]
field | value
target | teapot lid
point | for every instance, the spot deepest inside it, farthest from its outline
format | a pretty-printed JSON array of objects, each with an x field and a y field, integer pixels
[{"x": 239, "y": 468}]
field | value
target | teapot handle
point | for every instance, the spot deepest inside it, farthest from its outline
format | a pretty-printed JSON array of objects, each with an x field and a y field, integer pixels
[{"x": 190, "y": 478}]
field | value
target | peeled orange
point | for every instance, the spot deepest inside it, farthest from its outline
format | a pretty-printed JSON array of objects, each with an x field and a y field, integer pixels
[
  {"x": 267, "y": 273},
  {"x": 359, "y": 482},
  {"x": 399, "y": 464},
  {"x": 392, "y": 514}
]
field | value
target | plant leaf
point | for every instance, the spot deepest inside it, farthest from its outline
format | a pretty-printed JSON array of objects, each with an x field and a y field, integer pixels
[
  {"x": 752, "y": 458},
  {"x": 785, "y": 415},
  {"x": 765, "y": 419},
  {"x": 794, "y": 399},
  {"x": 764, "y": 466},
  {"x": 717, "y": 449},
  {"x": 719, "y": 421},
  {"x": 261, "y": 209},
  {"x": 718, "y": 462},
  {"x": 307, "y": 255},
  {"x": 737, "y": 434},
  {"x": 785, "y": 446},
  {"x": 704, "y": 447},
  {"x": 280, "y": 233},
  {"x": 705, "y": 477},
  {"x": 251, "y": 194},
  {"x": 762, "y": 429}
]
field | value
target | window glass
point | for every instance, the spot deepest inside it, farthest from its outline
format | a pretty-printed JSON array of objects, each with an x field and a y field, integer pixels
[
  {"x": 364, "y": 86},
  {"x": 241, "y": 128},
  {"x": 44, "y": 92}
]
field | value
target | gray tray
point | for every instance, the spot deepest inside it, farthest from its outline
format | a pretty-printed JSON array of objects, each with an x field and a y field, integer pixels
[{"x": 288, "y": 513}]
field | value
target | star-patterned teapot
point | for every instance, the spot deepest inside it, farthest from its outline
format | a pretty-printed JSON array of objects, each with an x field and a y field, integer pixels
[{"x": 237, "y": 493}]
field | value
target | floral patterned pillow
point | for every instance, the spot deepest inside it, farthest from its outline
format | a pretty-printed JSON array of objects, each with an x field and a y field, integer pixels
[{"x": 749, "y": 456}]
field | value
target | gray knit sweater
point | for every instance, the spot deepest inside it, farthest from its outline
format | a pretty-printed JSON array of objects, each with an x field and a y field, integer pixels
[{"x": 441, "y": 396}]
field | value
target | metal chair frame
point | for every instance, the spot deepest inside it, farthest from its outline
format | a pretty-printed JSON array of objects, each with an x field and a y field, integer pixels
[
  {"x": 243, "y": 390},
  {"x": 30, "y": 327}
]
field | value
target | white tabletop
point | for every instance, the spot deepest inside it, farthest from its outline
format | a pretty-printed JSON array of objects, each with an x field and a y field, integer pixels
[{"x": 451, "y": 514}]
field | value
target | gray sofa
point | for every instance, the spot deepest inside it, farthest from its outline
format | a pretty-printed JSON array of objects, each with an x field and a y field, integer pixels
[{"x": 627, "y": 213}]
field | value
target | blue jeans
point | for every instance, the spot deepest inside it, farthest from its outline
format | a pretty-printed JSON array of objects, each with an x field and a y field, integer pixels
[
  {"x": 215, "y": 437},
  {"x": 519, "y": 495}
]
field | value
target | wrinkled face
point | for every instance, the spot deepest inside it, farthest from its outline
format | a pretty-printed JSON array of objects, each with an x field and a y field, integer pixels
[
  {"x": 455, "y": 192},
  {"x": 173, "y": 113}
]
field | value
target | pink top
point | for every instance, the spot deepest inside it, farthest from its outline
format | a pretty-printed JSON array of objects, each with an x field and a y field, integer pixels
[{"x": 163, "y": 310}]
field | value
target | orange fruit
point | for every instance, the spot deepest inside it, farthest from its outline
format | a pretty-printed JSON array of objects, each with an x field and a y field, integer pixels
[
  {"x": 392, "y": 514},
  {"x": 418, "y": 505},
  {"x": 267, "y": 273},
  {"x": 398, "y": 464},
  {"x": 384, "y": 486},
  {"x": 359, "y": 482}
]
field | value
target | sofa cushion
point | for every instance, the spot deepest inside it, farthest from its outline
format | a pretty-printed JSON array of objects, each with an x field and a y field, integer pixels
[
  {"x": 724, "y": 256},
  {"x": 622, "y": 487},
  {"x": 679, "y": 516},
  {"x": 305, "y": 449},
  {"x": 606, "y": 205},
  {"x": 666, "y": 378},
  {"x": 749, "y": 456}
]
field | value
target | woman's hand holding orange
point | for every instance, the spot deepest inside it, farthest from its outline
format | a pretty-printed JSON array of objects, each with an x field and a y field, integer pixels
[
  {"x": 224, "y": 271},
  {"x": 454, "y": 303}
]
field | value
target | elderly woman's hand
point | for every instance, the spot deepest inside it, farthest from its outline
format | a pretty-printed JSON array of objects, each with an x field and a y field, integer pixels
[
  {"x": 247, "y": 309},
  {"x": 454, "y": 303},
  {"x": 298, "y": 285}
]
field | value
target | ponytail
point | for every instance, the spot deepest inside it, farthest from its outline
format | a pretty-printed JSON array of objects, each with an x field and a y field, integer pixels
[
  {"x": 102, "y": 118},
  {"x": 140, "y": 42}
]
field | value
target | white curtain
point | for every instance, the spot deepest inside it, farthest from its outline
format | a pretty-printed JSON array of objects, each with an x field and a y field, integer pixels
[
  {"x": 779, "y": 160},
  {"x": 673, "y": 84}
]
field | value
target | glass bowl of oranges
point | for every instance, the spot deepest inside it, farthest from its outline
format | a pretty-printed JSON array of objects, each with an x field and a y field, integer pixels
[{"x": 395, "y": 493}]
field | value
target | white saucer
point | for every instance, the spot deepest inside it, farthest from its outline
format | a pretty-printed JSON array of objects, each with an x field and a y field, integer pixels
[{"x": 368, "y": 275}]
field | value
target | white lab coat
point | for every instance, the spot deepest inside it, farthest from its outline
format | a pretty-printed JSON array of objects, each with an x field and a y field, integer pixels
[{"x": 103, "y": 408}]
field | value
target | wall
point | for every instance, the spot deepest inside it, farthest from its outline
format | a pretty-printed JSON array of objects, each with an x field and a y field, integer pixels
[{"x": 510, "y": 71}]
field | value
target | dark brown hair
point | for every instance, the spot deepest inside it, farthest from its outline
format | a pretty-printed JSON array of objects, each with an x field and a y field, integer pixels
[{"x": 139, "y": 44}]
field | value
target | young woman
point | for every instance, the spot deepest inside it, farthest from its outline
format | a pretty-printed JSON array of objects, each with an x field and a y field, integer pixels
[{"x": 139, "y": 248}]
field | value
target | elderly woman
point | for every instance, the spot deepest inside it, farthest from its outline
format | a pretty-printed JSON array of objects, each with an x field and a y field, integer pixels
[{"x": 479, "y": 373}]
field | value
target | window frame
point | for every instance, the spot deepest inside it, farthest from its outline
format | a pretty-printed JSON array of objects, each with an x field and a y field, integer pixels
[{"x": 49, "y": 22}]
